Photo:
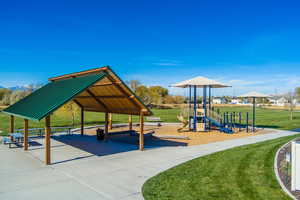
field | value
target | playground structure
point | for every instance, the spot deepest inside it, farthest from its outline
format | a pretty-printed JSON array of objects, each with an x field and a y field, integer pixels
[{"x": 202, "y": 118}]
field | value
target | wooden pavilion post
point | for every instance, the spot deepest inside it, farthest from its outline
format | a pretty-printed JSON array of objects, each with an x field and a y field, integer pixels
[
  {"x": 82, "y": 121},
  {"x": 141, "y": 140},
  {"x": 47, "y": 141},
  {"x": 12, "y": 124},
  {"x": 106, "y": 127},
  {"x": 110, "y": 121},
  {"x": 25, "y": 134},
  {"x": 130, "y": 122}
]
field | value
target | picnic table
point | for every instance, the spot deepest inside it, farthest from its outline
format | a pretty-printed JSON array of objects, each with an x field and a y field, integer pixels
[{"x": 14, "y": 138}]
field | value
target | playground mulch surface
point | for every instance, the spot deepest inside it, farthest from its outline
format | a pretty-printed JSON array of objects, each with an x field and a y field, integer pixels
[{"x": 191, "y": 138}]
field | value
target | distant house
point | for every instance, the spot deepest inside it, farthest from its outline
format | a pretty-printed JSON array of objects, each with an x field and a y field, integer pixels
[
  {"x": 217, "y": 100},
  {"x": 278, "y": 100},
  {"x": 235, "y": 101}
]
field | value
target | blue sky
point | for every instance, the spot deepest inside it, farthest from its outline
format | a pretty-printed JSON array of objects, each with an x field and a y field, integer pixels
[{"x": 252, "y": 45}]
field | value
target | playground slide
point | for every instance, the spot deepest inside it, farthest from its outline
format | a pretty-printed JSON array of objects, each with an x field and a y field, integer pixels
[{"x": 216, "y": 123}]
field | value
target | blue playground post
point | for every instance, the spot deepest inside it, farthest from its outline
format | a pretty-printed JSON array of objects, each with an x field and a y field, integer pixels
[
  {"x": 231, "y": 125},
  {"x": 190, "y": 106},
  {"x": 247, "y": 122},
  {"x": 204, "y": 106},
  {"x": 195, "y": 108},
  {"x": 253, "y": 117},
  {"x": 240, "y": 120},
  {"x": 210, "y": 109}
]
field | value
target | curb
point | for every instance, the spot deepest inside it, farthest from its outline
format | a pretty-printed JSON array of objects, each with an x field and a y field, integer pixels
[{"x": 277, "y": 174}]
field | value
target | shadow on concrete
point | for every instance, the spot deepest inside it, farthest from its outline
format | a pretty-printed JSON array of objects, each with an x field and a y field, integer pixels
[{"x": 117, "y": 143}]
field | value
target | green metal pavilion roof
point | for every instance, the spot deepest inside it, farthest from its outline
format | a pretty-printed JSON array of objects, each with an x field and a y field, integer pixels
[{"x": 50, "y": 97}]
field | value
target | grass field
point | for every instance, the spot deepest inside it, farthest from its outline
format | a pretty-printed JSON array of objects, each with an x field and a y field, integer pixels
[
  {"x": 241, "y": 173},
  {"x": 265, "y": 117}
]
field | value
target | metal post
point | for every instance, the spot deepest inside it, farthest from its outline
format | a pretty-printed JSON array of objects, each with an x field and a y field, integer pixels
[
  {"x": 195, "y": 109},
  {"x": 247, "y": 122},
  {"x": 253, "y": 117},
  {"x": 209, "y": 99},
  {"x": 231, "y": 121},
  {"x": 190, "y": 106},
  {"x": 240, "y": 121},
  {"x": 204, "y": 106}
]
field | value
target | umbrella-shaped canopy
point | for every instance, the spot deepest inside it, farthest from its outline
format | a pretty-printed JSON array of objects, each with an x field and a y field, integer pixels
[
  {"x": 200, "y": 82},
  {"x": 254, "y": 95}
]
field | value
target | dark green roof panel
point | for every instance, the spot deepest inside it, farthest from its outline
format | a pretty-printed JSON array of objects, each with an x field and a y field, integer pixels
[{"x": 48, "y": 98}]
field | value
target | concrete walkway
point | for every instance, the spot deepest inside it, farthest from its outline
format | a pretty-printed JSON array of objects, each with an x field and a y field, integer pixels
[{"x": 91, "y": 175}]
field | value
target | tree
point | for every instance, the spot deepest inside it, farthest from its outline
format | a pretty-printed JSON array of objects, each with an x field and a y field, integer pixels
[
  {"x": 291, "y": 99},
  {"x": 297, "y": 91},
  {"x": 143, "y": 92},
  {"x": 17, "y": 96},
  {"x": 134, "y": 84},
  {"x": 157, "y": 94},
  {"x": 73, "y": 109},
  {"x": 170, "y": 99},
  {"x": 4, "y": 96}
]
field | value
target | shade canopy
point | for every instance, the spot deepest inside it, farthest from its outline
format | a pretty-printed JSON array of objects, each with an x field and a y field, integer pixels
[
  {"x": 200, "y": 82},
  {"x": 254, "y": 94},
  {"x": 98, "y": 90}
]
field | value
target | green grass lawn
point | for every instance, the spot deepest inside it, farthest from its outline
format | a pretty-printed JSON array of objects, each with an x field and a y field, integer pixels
[{"x": 240, "y": 173}]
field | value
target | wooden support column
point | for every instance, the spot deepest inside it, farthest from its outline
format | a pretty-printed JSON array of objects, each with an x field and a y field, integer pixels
[
  {"x": 12, "y": 124},
  {"x": 82, "y": 121},
  {"x": 141, "y": 141},
  {"x": 110, "y": 121},
  {"x": 106, "y": 127},
  {"x": 47, "y": 141},
  {"x": 25, "y": 134},
  {"x": 130, "y": 122}
]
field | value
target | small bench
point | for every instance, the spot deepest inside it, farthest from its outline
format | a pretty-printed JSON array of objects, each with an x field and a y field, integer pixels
[
  {"x": 153, "y": 119},
  {"x": 8, "y": 141}
]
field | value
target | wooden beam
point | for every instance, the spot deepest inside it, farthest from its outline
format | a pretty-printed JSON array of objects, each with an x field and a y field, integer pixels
[
  {"x": 110, "y": 121},
  {"x": 25, "y": 134},
  {"x": 12, "y": 124},
  {"x": 47, "y": 141},
  {"x": 82, "y": 121},
  {"x": 79, "y": 73},
  {"x": 107, "y": 84},
  {"x": 130, "y": 122},
  {"x": 106, "y": 127},
  {"x": 123, "y": 91},
  {"x": 104, "y": 97},
  {"x": 95, "y": 98},
  {"x": 79, "y": 104},
  {"x": 141, "y": 140}
]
